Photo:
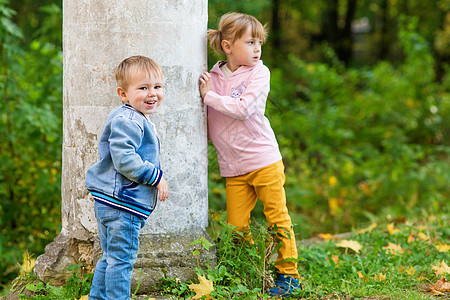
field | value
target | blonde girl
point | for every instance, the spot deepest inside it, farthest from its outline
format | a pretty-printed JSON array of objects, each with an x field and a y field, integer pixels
[{"x": 235, "y": 92}]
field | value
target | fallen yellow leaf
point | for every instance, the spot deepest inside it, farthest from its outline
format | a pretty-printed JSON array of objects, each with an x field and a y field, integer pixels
[
  {"x": 391, "y": 229},
  {"x": 354, "y": 245},
  {"x": 411, "y": 271},
  {"x": 380, "y": 277},
  {"x": 393, "y": 249},
  {"x": 368, "y": 229},
  {"x": 441, "y": 268},
  {"x": 442, "y": 247},
  {"x": 440, "y": 287},
  {"x": 325, "y": 236},
  {"x": 28, "y": 262},
  {"x": 85, "y": 297},
  {"x": 411, "y": 238},
  {"x": 335, "y": 258},
  {"x": 421, "y": 278},
  {"x": 423, "y": 236},
  {"x": 360, "y": 275},
  {"x": 202, "y": 289}
]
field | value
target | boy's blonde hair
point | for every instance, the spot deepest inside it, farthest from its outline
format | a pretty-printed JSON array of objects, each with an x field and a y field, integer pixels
[
  {"x": 232, "y": 26},
  {"x": 131, "y": 65}
]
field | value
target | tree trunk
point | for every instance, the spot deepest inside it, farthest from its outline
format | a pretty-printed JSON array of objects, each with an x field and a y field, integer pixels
[
  {"x": 384, "y": 46},
  {"x": 276, "y": 29},
  {"x": 346, "y": 37}
]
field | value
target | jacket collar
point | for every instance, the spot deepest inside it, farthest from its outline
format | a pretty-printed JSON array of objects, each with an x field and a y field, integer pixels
[
  {"x": 241, "y": 69},
  {"x": 131, "y": 107}
]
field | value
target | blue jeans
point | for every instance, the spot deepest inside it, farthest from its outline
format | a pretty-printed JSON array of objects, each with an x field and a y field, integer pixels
[{"x": 119, "y": 239}]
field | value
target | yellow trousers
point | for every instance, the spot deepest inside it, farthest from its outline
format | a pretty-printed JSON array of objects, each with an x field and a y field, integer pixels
[{"x": 267, "y": 185}]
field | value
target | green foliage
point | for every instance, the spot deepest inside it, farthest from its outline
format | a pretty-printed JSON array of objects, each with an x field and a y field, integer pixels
[
  {"x": 359, "y": 143},
  {"x": 78, "y": 284},
  {"x": 30, "y": 142},
  {"x": 243, "y": 269},
  {"x": 241, "y": 263}
]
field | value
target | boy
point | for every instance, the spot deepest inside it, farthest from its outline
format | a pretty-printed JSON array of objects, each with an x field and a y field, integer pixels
[{"x": 126, "y": 180}]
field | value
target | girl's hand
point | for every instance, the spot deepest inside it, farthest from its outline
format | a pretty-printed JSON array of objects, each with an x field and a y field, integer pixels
[
  {"x": 205, "y": 84},
  {"x": 163, "y": 190}
]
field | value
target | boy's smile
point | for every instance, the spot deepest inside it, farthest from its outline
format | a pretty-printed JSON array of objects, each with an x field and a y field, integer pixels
[{"x": 144, "y": 92}]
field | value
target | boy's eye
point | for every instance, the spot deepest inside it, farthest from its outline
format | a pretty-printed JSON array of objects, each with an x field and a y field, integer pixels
[{"x": 158, "y": 87}]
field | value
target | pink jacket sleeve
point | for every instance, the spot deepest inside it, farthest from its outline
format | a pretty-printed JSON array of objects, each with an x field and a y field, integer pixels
[{"x": 252, "y": 99}]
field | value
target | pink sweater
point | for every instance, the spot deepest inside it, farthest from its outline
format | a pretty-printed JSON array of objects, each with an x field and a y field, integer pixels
[{"x": 237, "y": 126}]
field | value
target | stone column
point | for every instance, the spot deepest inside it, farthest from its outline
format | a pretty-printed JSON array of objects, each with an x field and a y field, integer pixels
[{"x": 97, "y": 35}]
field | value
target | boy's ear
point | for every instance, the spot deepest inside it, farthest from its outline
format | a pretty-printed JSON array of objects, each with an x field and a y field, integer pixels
[
  {"x": 226, "y": 46},
  {"x": 122, "y": 94}
]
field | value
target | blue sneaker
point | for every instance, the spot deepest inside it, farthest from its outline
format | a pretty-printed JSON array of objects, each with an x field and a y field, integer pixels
[{"x": 284, "y": 286}]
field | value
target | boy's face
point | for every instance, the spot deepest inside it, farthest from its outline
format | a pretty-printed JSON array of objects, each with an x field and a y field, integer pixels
[{"x": 144, "y": 92}]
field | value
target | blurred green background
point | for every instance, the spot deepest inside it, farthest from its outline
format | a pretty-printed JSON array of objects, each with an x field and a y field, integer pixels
[{"x": 359, "y": 102}]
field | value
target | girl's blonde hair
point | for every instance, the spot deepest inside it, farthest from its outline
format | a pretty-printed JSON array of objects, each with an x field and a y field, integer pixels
[
  {"x": 232, "y": 26},
  {"x": 131, "y": 65}
]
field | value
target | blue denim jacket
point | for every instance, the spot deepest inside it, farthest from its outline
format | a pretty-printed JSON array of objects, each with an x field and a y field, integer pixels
[{"x": 128, "y": 171}]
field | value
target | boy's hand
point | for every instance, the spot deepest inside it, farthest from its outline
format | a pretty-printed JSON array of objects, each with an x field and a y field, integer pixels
[
  {"x": 163, "y": 190},
  {"x": 205, "y": 84}
]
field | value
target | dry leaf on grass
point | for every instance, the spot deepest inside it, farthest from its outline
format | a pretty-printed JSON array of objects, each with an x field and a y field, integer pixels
[
  {"x": 440, "y": 287},
  {"x": 411, "y": 271},
  {"x": 360, "y": 275},
  {"x": 203, "y": 288},
  {"x": 391, "y": 229},
  {"x": 335, "y": 258},
  {"x": 380, "y": 277},
  {"x": 325, "y": 236},
  {"x": 368, "y": 229},
  {"x": 354, "y": 245},
  {"x": 28, "y": 262},
  {"x": 393, "y": 249},
  {"x": 423, "y": 236},
  {"x": 442, "y": 247},
  {"x": 441, "y": 268}
]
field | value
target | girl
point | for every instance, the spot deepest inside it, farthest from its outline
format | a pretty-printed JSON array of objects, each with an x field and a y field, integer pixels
[{"x": 235, "y": 93}]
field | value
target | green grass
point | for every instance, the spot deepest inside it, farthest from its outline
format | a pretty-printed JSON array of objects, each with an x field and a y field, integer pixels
[
  {"x": 328, "y": 271},
  {"x": 404, "y": 275}
]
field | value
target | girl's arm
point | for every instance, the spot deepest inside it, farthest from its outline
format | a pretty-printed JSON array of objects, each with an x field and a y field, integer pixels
[{"x": 251, "y": 100}]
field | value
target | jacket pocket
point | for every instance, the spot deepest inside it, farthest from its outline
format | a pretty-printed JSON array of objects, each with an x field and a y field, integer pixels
[{"x": 140, "y": 194}]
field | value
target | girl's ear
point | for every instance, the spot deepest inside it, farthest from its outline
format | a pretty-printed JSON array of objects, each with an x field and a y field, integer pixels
[
  {"x": 122, "y": 94},
  {"x": 226, "y": 46}
]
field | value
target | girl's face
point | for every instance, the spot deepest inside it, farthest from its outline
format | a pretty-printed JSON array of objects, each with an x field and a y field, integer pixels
[
  {"x": 245, "y": 51},
  {"x": 144, "y": 92}
]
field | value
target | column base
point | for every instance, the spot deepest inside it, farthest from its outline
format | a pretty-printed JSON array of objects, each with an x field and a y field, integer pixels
[{"x": 160, "y": 255}]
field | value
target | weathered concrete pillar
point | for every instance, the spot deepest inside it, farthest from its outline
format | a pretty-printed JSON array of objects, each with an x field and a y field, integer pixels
[{"x": 97, "y": 35}]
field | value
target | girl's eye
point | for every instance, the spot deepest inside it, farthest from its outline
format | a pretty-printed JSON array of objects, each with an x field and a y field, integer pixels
[{"x": 143, "y": 88}]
